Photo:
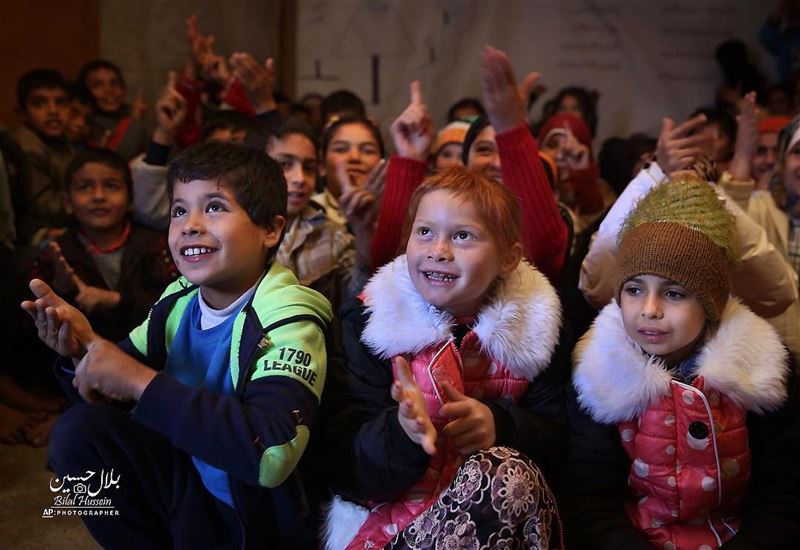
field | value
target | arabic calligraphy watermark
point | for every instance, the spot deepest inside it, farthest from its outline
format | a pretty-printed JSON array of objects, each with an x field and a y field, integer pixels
[{"x": 81, "y": 495}]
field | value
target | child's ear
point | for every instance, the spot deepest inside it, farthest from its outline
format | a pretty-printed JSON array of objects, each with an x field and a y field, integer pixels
[
  {"x": 272, "y": 236},
  {"x": 511, "y": 259}
]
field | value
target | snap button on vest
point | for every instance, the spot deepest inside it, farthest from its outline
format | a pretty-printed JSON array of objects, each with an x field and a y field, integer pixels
[{"x": 698, "y": 430}]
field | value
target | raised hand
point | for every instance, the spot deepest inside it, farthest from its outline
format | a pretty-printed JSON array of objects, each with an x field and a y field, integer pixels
[
  {"x": 746, "y": 139},
  {"x": 472, "y": 428},
  {"x": 677, "y": 150},
  {"x": 59, "y": 325},
  {"x": 212, "y": 65},
  {"x": 108, "y": 373},
  {"x": 412, "y": 414},
  {"x": 412, "y": 132},
  {"x": 63, "y": 274},
  {"x": 170, "y": 112},
  {"x": 257, "y": 80},
  {"x": 506, "y": 103}
]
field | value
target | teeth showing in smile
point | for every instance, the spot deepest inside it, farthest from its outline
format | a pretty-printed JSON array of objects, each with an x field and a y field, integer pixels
[
  {"x": 435, "y": 276},
  {"x": 197, "y": 251}
]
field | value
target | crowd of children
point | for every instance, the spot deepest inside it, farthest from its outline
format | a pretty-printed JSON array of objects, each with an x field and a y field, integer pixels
[{"x": 487, "y": 339}]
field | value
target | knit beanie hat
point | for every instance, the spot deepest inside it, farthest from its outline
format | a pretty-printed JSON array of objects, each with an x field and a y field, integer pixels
[
  {"x": 455, "y": 132},
  {"x": 681, "y": 231}
]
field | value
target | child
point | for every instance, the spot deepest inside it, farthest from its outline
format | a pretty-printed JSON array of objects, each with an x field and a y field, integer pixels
[
  {"x": 319, "y": 251},
  {"x": 43, "y": 101},
  {"x": 683, "y": 390},
  {"x": 448, "y": 149},
  {"x": 104, "y": 264},
  {"x": 115, "y": 125},
  {"x": 505, "y": 137},
  {"x": 226, "y": 374},
  {"x": 461, "y": 290}
]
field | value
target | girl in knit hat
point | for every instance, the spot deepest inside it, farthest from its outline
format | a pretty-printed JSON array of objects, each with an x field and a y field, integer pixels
[
  {"x": 447, "y": 150},
  {"x": 684, "y": 392}
]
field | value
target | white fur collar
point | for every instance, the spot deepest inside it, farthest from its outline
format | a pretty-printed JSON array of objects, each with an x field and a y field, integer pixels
[
  {"x": 616, "y": 380},
  {"x": 520, "y": 327}
]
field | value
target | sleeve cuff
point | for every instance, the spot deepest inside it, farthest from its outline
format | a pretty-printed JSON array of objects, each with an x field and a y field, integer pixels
[{"x": 157, "y": 154}]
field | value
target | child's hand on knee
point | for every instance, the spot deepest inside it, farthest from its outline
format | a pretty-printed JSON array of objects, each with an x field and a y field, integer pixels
[
  {"x": 59, "y": 325},
  {"x": 472, "y": 427},
  {"x": 413, "y": 414},
  {"x": 108, "y": 373}
]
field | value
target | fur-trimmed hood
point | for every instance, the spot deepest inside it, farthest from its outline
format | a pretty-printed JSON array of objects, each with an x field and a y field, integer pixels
[
  {"x": 519, "y": 327},
  {"x": 617, "y": 381}
]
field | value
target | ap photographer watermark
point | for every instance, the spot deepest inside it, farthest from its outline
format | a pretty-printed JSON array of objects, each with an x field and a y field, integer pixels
[{"x": 86, "y": 495}]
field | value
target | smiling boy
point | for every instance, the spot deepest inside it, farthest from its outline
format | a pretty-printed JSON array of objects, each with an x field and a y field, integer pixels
[{"x": 210, "y": 451}]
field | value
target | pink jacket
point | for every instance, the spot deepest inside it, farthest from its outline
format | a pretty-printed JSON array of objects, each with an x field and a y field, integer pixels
[{"x": 688, "y": 443}]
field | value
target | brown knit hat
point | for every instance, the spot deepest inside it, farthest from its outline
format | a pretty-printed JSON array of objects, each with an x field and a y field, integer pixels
[{"x": 681, "y": 231}]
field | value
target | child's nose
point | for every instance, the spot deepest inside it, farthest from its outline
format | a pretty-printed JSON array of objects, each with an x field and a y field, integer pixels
[
  {"x": 440, "y": 250},
  {"x": 192, "y": 224},
  {"x": 652, "y": 307}
]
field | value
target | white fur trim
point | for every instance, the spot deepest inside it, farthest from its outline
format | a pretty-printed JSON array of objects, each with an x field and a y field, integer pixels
[
  {"x": 520, "y": 327},
  {"x": 343, "y": 520},
  {"x": 616, "y": 380}
]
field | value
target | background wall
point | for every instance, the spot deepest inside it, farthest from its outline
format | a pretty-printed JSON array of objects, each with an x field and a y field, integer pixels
[
  {"x": 39, "y": 33},
  {"x": 647, "y": 59}
]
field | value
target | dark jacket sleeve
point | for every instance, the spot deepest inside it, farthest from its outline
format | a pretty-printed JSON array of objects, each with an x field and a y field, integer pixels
[
  {"x": 771, "y": 516},
  {"x": 370, "y": 456},
  {"x": 537, "y": 424},
  {"x": 592, "y": 492}
]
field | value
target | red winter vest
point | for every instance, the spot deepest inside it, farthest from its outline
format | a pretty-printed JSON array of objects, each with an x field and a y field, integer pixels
[
  {"x": 483, "y": 379},
  {"x": 690, "y": 467}
]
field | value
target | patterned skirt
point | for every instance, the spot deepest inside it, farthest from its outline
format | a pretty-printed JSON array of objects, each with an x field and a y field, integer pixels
[{"x": 499, "y": 499}]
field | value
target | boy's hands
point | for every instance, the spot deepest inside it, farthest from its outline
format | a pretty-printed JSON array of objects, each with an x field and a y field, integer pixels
[
  {"x": 472, "y": 427},
  {"x": 63, "y": 274},
  {"x": 412, "y": 132},
  {"x": 746, "y": 139},
  {"x": 139, "y": 106},
  {"x": 361, "y": 205},
  {"x": 257, "y": 80},
  {"x": 92, "y": 298},
  {"x": 505, "y": 103},
  {"x": 108, "y": 373},
  {"x": 170, "y": 113},
  {"x": 676, "y": 149},
  {"x": 412, "y": 414},
  {"x": 59, "y": 325},
  {"x": 212, "y": 65}
]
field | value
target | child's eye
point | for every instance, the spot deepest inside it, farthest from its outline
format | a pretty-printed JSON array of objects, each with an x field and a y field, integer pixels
[
  {"x": 286, "y": 165},
  {"x": 369, "y": 150},
  {"x": 423, "y": 231},
  {"x": 215, "y": 206},
  {"x": 675, "y": 294},
  {"x": 310, "y": 167},
  {"x": 462, "y": 235},
  {"x": 632, "y": 290},
  {"x": 178, "y": 211}
]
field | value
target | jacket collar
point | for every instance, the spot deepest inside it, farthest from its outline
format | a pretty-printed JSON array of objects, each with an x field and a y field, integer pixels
[
  {"x": 519, "y": 327},
  {"x": 617, "y": 381}
]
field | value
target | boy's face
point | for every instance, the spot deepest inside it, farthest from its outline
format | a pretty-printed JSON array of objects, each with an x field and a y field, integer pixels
[
  {"x": 661, "y": 316},
  {"x": 214, "y": 242},
  {"x": 791, "y": 170},
  {"x": 98, "y": 198},
  {"x": 46, "y": 111},
  {"x": 107, "y": 89},
  {"x": 453, "y": 258},
  {"x": 449, "y": 155},
  {"x": 298, "y": 158},
  {"x": 78, "y": 125}
]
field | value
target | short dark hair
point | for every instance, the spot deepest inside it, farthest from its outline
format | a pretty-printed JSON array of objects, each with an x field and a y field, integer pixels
[
  {"x": 332, "y": 128},
  {"x": 474, "y": 129},
  {"x": 256, "y": 180},
  {"x": 297, "y": 126},
  {"x": 226, "y": 120},
  {"x": 106, "y": 157},
  {"x": 344, "y": 102},
  {"x": 39, "y": 78},
  {"x": 91, "y": 66},
  {"x": 466, "y": 102}
]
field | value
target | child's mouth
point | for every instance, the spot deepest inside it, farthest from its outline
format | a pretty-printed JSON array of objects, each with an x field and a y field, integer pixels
[
  {"x": 439, "y": 277},
  {"x": 196, "y": 251}
]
